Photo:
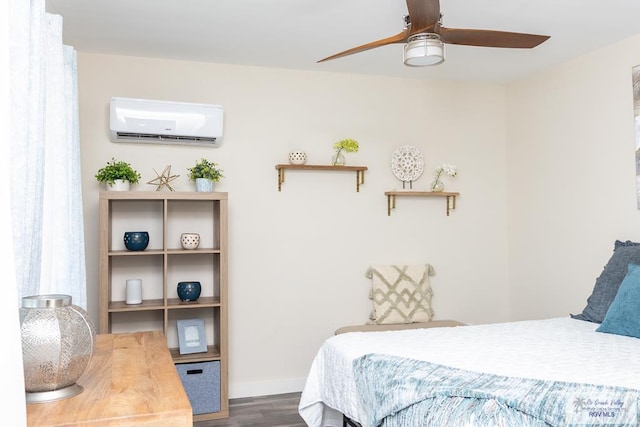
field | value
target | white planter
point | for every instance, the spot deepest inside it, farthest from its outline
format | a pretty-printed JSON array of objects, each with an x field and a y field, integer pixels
[
  {"x": 119, "y": 185},
  {"x": 297, "y": 157},
  {"x": 204, "y": 185},
  {"x": 189, "y": 240}
]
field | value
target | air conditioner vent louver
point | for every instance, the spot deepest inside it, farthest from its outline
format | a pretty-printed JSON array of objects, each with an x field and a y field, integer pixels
[
  {"x": 167, "y": 139},
  {"x": 165, "y": 122}
]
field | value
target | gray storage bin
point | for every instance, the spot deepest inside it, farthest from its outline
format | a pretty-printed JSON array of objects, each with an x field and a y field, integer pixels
[{"x": 201, "y": 381}]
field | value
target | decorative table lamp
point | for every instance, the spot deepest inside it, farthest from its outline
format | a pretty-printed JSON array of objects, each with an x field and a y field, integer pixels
[{"x": 57, "y": 345}]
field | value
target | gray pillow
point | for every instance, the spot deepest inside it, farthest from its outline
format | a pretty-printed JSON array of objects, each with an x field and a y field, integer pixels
[{"x": 607, "y": 284}]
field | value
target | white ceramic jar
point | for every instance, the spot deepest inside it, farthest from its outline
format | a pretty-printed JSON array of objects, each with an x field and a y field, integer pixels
[
  {"x": 297, "y": 157},
  {"x": 189, "y": 240}
]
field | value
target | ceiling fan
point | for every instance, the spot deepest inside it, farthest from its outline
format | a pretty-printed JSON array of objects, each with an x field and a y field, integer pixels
[{"x": 424, "y": 37}]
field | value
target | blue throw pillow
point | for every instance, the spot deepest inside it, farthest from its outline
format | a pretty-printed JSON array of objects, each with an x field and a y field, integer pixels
[
  {"x": 607, "y": 284},
  {"x": 623, "y": 317}
]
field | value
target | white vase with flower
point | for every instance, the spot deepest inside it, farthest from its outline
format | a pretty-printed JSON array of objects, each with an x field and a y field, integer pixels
[
  {"x": 346, "y": 145},
  {"x": 437, "y": 185}
]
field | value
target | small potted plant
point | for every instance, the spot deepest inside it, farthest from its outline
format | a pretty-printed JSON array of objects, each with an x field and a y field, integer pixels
[
  {"x": 204, "y": 174},
  {"x": 118, "y": 175},
  {"x": 347, "y": 145}
]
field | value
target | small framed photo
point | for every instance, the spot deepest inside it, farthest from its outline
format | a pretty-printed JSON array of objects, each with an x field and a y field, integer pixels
[{"x": 191, "y": 336}]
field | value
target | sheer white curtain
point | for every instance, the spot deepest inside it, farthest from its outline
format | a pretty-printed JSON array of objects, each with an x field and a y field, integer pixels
[
  {"x": 12, "y": 405},
  {"x": 40, "y": 153},
  {"x": 46, "y": 198}
]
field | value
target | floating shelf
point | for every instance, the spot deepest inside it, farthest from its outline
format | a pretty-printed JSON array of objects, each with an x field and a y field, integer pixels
[
  {"x": 391, "y": 198},
  {"x": 359, "y": 170}
]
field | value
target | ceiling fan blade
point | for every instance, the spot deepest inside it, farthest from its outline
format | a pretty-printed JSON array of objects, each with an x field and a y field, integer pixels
[
  {"x": 423, "y": 15},
  {"x": 488, "y": 38},
  {"x": 398, "y": 38}
]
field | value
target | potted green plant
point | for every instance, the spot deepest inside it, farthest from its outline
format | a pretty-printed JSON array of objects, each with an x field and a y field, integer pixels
[
  {"x": 204, "y": 174},
  {"x": 347, "y": 145},
  {"x": 118, "y": 175}
]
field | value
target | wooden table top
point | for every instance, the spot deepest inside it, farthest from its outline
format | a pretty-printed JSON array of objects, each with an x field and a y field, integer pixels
[{"x": 131, "y": 380}]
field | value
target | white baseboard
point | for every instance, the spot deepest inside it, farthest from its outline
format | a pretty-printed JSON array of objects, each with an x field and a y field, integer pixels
[{"x": 266, "y": 388}]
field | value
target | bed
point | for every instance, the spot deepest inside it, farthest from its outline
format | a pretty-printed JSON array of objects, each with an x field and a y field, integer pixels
[{"x": 581, "y": 370}]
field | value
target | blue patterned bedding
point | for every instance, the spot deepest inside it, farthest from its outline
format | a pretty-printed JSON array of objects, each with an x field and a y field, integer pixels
[
  {"x": 402, "y": 392},
  {"x": 558, "y": 349}
]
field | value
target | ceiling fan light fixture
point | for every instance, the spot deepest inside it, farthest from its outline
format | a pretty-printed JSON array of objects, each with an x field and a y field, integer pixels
[{"x": 423, "y": 50}]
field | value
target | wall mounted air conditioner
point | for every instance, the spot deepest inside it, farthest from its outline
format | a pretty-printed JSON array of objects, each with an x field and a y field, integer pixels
[{"x": 165, "y": 122}]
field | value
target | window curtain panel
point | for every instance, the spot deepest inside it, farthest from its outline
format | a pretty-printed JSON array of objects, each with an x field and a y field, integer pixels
[
  {"x": 11, "y": 368},
  {"x": 46, "y": 192}
]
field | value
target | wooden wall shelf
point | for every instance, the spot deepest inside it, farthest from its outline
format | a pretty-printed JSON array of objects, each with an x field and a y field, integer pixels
[
  {"x": 359, "y": 170},
  {"x": 391, "y": 198}
]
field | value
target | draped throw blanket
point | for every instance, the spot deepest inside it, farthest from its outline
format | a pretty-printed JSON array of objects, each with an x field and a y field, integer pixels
[{"x": 400, "y": 392}]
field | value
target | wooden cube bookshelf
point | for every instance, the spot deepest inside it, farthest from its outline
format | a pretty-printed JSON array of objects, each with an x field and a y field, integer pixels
[{"x": 161, "y": 265}]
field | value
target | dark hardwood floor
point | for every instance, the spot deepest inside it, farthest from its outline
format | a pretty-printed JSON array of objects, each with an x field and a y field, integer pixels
[{"x": 266, "y": 411}]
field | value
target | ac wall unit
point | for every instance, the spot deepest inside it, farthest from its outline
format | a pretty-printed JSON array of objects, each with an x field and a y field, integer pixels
[{"x": 165, "y": 122}]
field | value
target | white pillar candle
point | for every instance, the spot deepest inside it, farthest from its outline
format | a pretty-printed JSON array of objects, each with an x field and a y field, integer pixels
[{"x": 134, "y": 291}]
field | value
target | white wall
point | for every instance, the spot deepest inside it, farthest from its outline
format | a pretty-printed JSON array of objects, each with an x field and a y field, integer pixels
[
  {"x": 298, "y": 256},
  {"x": 571, "y": 178}
]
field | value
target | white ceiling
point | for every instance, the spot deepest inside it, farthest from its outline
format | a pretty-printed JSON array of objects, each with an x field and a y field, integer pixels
[{"x": 296, "y": 33}]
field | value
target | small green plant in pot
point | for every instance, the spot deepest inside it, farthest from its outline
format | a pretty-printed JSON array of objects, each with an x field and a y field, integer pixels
[
  {"x": 117, "y": 175},
  {"x": 204, "y": 174}
]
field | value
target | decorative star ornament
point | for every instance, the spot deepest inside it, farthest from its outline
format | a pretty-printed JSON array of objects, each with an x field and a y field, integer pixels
[{"x": 163, "y": 179}]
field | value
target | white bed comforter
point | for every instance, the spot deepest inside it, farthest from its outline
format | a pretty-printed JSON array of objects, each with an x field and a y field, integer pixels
[{"x": 561, "y": 349}]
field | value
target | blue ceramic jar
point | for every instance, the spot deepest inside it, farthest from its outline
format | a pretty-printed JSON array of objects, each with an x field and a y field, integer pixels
[
  {"x": 136, "y": 240},
  {"x": 189, "y": 291}
]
